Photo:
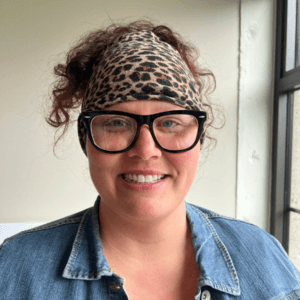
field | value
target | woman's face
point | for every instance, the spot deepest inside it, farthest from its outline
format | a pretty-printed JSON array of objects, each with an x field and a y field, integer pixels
[{"x": 138, "y": 201}]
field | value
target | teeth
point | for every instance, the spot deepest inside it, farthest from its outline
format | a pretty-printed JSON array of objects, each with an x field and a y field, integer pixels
[
  {"x": 149, "y": 178},
  {"x": 143, "y": 179}
]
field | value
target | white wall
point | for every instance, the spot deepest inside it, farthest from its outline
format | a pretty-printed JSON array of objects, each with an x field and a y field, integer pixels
[
  {"x": 38, "y": 187},
  {"x": 257, "y": 55}
]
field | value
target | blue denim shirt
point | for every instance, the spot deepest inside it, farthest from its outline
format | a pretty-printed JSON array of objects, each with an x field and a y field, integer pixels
[{"x": 64, "y": 260}]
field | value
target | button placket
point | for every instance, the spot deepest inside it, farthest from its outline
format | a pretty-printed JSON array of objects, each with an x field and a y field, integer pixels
[
  {"x": 205, "y": 295},
  {"x": 115, "y": 287}
]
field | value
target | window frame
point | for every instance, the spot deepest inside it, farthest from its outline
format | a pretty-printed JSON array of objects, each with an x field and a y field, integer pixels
[{"x": 286, "y": 82}]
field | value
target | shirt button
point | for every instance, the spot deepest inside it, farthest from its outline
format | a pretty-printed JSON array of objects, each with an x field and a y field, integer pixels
[
  {"x": 115, "y": 287},
  {"x": 205, "y": 295}
]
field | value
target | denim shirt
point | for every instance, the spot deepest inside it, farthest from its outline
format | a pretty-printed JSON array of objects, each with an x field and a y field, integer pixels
[{"x": 64, "y": 260}]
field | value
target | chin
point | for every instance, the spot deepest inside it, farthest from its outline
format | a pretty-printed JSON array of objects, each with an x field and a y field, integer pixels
[{"x": 149, "y": 208}]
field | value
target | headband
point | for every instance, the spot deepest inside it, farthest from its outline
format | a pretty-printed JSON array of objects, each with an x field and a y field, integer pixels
[{"x": 139, "y": 66}]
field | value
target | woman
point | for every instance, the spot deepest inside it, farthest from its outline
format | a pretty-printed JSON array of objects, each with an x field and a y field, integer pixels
[{"x": 144, "y": 116}]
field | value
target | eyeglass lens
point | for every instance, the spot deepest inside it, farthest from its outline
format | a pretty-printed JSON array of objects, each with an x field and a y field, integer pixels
[{"x": 116, "y": 132}]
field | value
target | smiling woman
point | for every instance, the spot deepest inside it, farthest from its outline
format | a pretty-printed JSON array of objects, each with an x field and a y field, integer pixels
[
  {"x": 145, "y": 114},
  {"x": 132, "y": 199}
]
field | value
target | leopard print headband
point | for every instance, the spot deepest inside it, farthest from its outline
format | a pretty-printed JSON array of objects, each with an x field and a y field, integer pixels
[{"x": 139, "y": 66}]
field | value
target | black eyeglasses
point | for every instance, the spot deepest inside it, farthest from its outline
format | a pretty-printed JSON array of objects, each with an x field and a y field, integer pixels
[{"x": 173, "y": 131}]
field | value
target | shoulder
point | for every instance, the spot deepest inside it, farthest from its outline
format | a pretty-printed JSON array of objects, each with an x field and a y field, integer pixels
[
  {"x": 52, "y": 230},
  {"x": 38, "y": 247},
  {"x": 230, "y": 227},
  {"x": 234, "y": 230},
  {"x": 240, "y": 235},
  {"x": 32, "y": 262},
  {"x": 256, "y": 255},
  {"x": 34, "y": 256}
]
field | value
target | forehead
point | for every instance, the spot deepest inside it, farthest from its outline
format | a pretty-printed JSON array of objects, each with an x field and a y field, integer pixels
[{"x": 144, "y": 107}]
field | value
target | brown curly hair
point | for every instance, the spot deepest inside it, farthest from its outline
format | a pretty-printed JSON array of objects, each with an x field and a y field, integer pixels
[{"x": 74, "y": 75}]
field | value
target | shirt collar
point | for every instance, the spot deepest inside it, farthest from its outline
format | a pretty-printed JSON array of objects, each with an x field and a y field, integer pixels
[
  {"x": 213, "y": 259},
  {"x": 87, "y": 260}
]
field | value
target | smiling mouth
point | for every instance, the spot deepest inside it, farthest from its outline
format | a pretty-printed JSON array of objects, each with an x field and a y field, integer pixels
[{"x": 141, "y": 179}]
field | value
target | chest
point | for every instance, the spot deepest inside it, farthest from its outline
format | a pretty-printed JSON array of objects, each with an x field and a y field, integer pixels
[
  {"x": 143, "y": 289},
  {"x": 160, "y": 282}
]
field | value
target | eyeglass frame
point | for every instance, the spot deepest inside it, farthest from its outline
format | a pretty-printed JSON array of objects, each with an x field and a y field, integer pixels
[{"x": 88, "y": 116}]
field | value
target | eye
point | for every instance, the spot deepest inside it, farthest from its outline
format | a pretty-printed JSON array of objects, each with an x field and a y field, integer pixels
[
  {"x": 169, "y": 123},
  {"x": 117, "y": 123}
]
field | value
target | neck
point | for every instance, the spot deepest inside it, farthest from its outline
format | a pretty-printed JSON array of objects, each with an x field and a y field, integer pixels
[{"x": 152, "y": 240}]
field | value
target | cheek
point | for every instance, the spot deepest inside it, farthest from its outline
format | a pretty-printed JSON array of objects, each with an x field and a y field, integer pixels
[
  {"x": 100, "y": 164},
  {"x": 104, "y": 167},
  {"x": 186, "y": 161}
]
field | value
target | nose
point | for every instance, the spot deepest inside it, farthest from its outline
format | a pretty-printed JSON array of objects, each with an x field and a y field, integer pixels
[{"x": 145, "y": 147}]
